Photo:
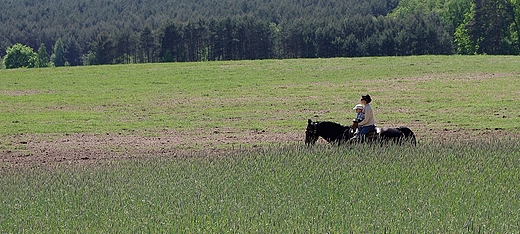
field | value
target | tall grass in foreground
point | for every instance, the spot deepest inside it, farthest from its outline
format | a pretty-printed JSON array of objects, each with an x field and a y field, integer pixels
[{"x": 437, "y": 187}]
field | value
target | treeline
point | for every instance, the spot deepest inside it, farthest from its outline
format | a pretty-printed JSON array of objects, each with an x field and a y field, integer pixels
[
  {"x": 247, "y": 38},
  {"x": 78, "y": 23},
  {"x": 259, "y": 29}
]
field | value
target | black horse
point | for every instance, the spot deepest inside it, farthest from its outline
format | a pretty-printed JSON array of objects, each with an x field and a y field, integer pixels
[{"x": 335, "y": 133}]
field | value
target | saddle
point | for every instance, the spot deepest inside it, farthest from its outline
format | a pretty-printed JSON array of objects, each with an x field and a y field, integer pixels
[{"x": 372, "y": 134}]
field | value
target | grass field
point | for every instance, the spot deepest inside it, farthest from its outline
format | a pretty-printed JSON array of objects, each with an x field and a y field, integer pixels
[
  {"x": 434, "y": 188},
  {"x": 218, "y": 147},
  {"x": 473, "y": 92}
]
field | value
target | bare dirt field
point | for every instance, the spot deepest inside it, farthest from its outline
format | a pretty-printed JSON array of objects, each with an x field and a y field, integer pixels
[
  {"x": 80, "y": 148},
  {"x": 76, "y": 148}
]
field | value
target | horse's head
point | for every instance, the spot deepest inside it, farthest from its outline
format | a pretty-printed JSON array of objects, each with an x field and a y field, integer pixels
[{"x": 310, "y": 133}]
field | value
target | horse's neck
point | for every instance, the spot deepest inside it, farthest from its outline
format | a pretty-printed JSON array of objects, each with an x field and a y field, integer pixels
[
  {"x": 336, "y": 125},
  {"x": 332, "y": 129}
]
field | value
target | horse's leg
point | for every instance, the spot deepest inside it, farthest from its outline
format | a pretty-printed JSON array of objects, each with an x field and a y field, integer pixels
[
  {"x": 413, "y": 140},
  {"x": 409, "y": 135}
]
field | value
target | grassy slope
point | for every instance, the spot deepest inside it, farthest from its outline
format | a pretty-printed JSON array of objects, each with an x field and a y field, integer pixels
[{"x": 471, "y": 92}]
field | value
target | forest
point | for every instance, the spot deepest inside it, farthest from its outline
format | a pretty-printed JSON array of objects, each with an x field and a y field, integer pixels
[{"x": 89, "y": 32}]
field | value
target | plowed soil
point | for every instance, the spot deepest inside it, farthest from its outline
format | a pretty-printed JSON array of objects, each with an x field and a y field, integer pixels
[
  {"x": 51, "y": 149},
  {"x": 65, "y": 149}
]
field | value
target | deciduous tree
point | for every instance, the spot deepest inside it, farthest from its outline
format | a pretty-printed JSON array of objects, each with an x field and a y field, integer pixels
[{"x": 20, "y": 55}]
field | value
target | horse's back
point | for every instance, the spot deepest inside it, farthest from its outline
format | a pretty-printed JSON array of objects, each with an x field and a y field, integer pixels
[
  {"x": 397, "y": 134},
  {"x": 390, "y": 132}
]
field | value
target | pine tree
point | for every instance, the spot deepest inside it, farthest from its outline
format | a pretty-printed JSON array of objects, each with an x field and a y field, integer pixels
[
  {"x": 146, "y": 44},
  {"x": 43, "y": 57},
  {"x": 58, "y": 58}
]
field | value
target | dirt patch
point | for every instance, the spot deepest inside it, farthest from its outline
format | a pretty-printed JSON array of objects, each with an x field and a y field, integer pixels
[
  {"x": 79, "y": 148},
  {"x": 48, "y": 149},
  {"x": 23, "y": 92}
]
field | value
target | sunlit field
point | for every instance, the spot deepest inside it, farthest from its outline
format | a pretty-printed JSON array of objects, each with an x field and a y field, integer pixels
[{"x": 462, "y": 177}]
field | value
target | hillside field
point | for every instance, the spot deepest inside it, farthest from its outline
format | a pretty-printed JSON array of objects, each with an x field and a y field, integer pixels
[
  {"x": 149, "y": 109},
  {"x": 218, "y": 147}
]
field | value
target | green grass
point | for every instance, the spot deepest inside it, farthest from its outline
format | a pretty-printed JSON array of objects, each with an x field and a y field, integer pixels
[
  {"x": 438, "y": 187},
  {"x": 434, "y": 188},
  {"x": 455, "y": 92}
]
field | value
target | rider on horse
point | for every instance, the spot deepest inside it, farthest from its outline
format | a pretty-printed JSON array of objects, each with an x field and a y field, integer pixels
[
  {"x": 338, "y": 134},
  {"x": 367, "y": 123}
]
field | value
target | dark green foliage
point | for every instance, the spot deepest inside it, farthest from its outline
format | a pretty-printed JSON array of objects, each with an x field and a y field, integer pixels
[
  {"x": 478, "y": 26},
  {"x": 101, "y": 32},
  {"x": 58, "y": 58},
  {"x": 146, "y": 45},
  {"x": 43, "y": 57},
  {"x": 126, "y": 45},
  {"x": 36, "y": 22},
  {"x": 490, "y": 27},
  {"x": 103, "y": 49}
]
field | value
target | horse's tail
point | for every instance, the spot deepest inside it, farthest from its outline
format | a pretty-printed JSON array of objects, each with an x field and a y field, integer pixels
[{"x": 408, "y": 134}]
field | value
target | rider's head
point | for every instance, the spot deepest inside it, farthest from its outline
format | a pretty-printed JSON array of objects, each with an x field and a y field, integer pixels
[{"x": 366, "y": 98}]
